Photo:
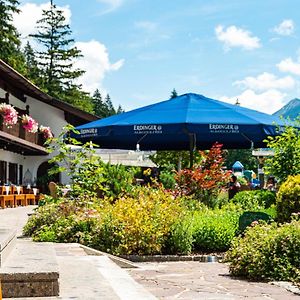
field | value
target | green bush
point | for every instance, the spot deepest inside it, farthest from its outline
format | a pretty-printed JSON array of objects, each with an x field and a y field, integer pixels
[
  {"x": 214, "y": 229},
  {"x": 167, "y": 179},
  {"x": 139, "y": 224},
  {"x": 180, "y": 239},
  {"x": 288, "y": 198},
  {"x": 267, "y": 252},
  {"x": 252, "y": 200}
]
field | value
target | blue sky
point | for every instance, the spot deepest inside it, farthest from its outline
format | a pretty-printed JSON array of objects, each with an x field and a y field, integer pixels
[{"x": 139, "y": 50}]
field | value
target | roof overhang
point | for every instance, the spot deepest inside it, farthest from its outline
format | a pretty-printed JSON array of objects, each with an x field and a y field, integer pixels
[{"x": 15, "y": 144}]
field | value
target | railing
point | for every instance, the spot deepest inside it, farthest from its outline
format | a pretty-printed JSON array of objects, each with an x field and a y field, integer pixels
[{"x": 18, "y": 131}]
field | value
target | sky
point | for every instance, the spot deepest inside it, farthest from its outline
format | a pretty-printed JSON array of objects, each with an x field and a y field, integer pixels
[{"x": 138, "y": 51}]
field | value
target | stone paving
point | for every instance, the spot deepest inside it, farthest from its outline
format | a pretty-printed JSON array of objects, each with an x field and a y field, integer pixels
[
  {"x": 97, "y": 277},
  {"x": 196, "y": 280}
]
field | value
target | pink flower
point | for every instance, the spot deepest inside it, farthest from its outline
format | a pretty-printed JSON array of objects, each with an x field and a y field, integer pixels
[
  {"x": 29, "y": 124},
  {"x": 9, "y": 114},
  {"x": 46, "y": 131}
]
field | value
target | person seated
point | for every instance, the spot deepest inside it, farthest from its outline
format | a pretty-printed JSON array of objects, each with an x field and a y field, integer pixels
[
  {"x": 233, "y": 187},
  {"x": 271, "y": 184}
]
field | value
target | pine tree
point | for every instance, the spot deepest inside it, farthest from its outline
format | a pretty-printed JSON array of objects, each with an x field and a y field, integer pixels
[
  {"x": 110, "y": 108},
  {"x": 32, "y": 71},
  {"x": 120, "y": 109},
  {"x": 57, "y": 58},
  {"x": 99, "y": 108},
  {"x": 10, "y": 43},
  {"x": 173, "y": 94}
]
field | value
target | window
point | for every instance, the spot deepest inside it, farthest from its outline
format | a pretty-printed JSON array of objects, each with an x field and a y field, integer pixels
[
  {"x": 13, "y": 173},
  {"x": 3, "y": 172}
]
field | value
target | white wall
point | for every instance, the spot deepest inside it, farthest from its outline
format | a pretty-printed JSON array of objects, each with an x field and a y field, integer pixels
[{"x": 44, "y": 114}]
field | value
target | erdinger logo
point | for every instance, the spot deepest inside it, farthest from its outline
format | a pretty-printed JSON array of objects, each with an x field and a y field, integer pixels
[
  {"x": 223, "y": 128},
  {"x": 149, "y": 129},
  {"x": 88, "y": 132}
]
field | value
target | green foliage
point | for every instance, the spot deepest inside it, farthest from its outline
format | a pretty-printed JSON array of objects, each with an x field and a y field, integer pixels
[
  {"x": 10, "y": 51},
  {"x": 84, "y": 169},
  {"x": 167, "y": 178},
  {"x": 250, "y": 200},
  {"x": 267, "y": 252},
  {"x": 104, "y": 108},
  {"x": 180, "y": 239},
  {"x": 173, "y": 94},
  {"x": 118, "y": 180},
  {"x": 137, "y": 225},
  {"x": 288, "y": 198},
  {"x": 248, "y": 217},
  {"x": 56, "y": 58},
  {"x": 243, "y": 155},
  {"x": 63, "y": 221},
  {"x": 205, "y": 180},
  {"x": 214, "y": 229},
  {"x": 286, "y": 159},
  {"x": 176, "y": 159}
]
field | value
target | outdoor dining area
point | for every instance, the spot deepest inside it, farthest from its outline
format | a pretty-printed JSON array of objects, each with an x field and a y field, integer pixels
[{"x": 14, "y": 196}]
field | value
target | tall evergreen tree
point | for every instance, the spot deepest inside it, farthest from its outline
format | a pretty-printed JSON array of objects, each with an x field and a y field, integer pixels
[
  {"x": 173, "y": 94},
  {"x": 57, "y": 57},
  {"x": 10, "y": 43},
  {"x": 120, "y": 109},
  {"x": 99, "y": 107},
  {"x": 110, "y": 108},
  {"x": 32, "y": 71}
]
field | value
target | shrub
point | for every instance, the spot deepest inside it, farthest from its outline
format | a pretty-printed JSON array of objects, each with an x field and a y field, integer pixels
[
  {"x": 288, "y": 198},
  {"x": 204, "y": 180},
  {"x": 214, "y": 229},
  {"x": 267, "y": 252},
  {"x": 180, "y": 239},
  {"x": 250, "y": 200},
  {"x": 138, "y": 224},
  {"x": 117, "y": 180},
  {"x": 167, "y": 179}
]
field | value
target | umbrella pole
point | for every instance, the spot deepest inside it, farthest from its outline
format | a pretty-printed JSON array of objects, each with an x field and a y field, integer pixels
[{"x": 192, "y": 148}]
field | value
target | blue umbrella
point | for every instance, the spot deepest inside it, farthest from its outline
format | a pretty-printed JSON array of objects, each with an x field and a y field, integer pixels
[{"x": 186, "y": 122}]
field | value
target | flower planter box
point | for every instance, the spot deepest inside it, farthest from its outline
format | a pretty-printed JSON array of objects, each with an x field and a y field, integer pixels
[
  {"x": 13, "y": 130},
  {"x": 28, "y": 136},
  {"x": 40, "y": 139}
]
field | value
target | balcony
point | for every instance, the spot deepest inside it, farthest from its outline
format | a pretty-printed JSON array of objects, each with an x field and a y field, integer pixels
[{"x": 17, "y": 139}]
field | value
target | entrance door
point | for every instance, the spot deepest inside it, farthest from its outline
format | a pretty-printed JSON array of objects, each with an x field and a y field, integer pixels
[{"x": 43, "y": 178}]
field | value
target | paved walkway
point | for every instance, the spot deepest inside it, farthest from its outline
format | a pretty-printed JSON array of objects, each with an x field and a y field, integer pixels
[{"x": 84, "y": 276}]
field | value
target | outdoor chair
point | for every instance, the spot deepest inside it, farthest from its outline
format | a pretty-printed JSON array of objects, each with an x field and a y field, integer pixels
[{"x": 53, "y": 189}]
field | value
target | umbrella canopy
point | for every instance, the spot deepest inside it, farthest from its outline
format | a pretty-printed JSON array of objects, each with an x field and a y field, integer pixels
[{"x": 182, "y": 123}]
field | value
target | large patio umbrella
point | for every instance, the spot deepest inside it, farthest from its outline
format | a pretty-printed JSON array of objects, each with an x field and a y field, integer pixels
[{"x": 186, "y": 122}]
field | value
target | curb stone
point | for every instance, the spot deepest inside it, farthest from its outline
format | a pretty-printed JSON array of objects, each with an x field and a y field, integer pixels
[{"x": 287, "y": 285}]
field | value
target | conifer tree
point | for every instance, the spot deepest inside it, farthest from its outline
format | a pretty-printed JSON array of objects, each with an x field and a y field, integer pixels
[
  {"x": 57, "y": 57},
  {"x": 120, "y": 109},
  {"x": 10, "y": 43},
  {"x": 32, "y": 71},
  {"x": 110, "y": 108},
  {"x": 173, "y": 94},
  {"x": 99, "y": 108}
]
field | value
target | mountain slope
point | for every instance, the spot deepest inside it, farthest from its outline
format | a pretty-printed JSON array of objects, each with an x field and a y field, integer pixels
[{"x": 291, "y": 109}]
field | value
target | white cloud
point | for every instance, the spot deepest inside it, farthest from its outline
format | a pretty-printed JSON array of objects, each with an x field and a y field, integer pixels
[
  {"x": 30, "y": 13},
  {"x": 286, "y": 27},
  {"x": 96, "y": 64},
  {"x": 111, "y": 5},
  {"x": 266, "y": 81},
  {"x": 268, "y": 102},
  {"x": 233, "y": 36},
  {"x": 288, "y": 65}
]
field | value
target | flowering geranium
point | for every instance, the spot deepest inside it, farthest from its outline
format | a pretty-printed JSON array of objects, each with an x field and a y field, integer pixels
[
  {"x": 29, "y": 124},
  {"x": 9, "y": 114},
  {"x": 46, "y": 131}
]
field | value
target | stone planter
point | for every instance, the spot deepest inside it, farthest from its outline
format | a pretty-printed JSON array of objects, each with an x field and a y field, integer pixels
[{"x": 28, "y": 136}]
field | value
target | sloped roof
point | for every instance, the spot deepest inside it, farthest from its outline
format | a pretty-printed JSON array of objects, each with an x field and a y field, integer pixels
[{"x": 13, "y": 78}]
